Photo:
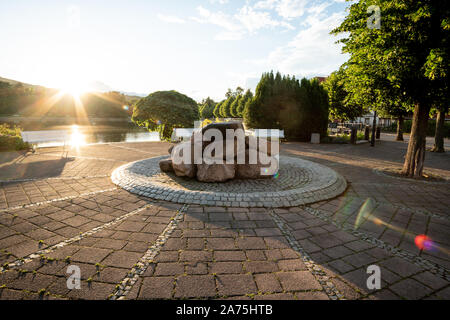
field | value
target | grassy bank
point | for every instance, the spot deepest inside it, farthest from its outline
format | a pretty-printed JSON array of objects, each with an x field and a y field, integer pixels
[{"x": 10, "y": 139}]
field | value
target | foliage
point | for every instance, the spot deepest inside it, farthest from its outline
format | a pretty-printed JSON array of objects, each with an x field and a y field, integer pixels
[
  {"x": 10, "y": 139},
  {"x": 206, "y": 108},
  {"x": 342, "y": 107},
  {"x": 431, "y": 127},
  {"x": 164, "y": 110},
  {"x": 281, "y": 102},
  {"x": 39, "y": 101},
  {"x": 404, "y": 64}
]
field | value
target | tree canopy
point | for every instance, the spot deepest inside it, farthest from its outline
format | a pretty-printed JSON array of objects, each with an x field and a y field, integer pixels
[
  {"x": 283, "y": 102},
  {"x": 164, "y": 110},
  {"x": 404, "y": 63}
]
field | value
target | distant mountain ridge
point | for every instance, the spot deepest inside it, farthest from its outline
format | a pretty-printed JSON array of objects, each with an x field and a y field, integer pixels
[{"x": 97, "y": 86}]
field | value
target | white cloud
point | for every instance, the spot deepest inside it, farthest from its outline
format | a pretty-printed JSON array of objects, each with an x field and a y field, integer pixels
[
  {"x": 246, "y": 20},
  {"x": 219, "y": 1},
  {"x": 312, "y": 52},
  {"x": 254, "y": 20},
  {"x": 170, "y": 19},
  {"x": 288, "y": 9}
]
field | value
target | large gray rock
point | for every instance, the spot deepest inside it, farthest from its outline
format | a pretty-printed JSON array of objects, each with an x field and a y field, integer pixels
[
  {"x": 215, "y": 172},
  {"x": 258, "y": 170},
  {"x": 183, "y": 169},
  {"x": 260, "y": 141},
  {"x": 223, "y": 126},
  {"x": 166, "y": 165}
]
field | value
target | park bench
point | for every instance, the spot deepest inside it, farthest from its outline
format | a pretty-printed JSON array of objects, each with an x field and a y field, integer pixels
[{"x": 34, "y": 137}]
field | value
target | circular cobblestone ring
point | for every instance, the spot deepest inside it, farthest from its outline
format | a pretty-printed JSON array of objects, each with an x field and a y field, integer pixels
[{"x": 298, "y": 182}]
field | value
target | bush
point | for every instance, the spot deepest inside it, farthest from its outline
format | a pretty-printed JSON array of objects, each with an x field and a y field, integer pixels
[
  {"x": 430, "y": 129},
  {"x": 164, "y": 110},
  {"x": 281, "y": 102},
  {"x": 10, "y": 139}
]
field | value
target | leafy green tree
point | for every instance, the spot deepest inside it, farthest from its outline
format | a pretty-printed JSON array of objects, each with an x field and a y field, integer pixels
[
  {"x": 242, "y": 102},
  {"x": 282, "y": 102},
  {"x": 216, "y": 111},
  {"x": 407, "y": 56},
  {"x": 207, "y": 108},
  {"x": 225, "y": 108},
  {"x": 341, "y": 105},
  {"x": 235, "y": 105},
  {"x": 164, "y": 110}
]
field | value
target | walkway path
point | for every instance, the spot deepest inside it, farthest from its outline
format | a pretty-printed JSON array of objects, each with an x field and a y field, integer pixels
[{"x": 56, "y": 212}]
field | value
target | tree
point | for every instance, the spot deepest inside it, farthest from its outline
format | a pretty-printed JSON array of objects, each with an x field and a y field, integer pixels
[
  {"x": 282, "y": 102},
  {"x": 216, "y": 111},
  {"x": 207, "y": 108},
  {"x": 225, "y": 111},
  {"x": 235, "y": 105},
  {"x": 439, "y": 133},
  {"x": 165, "y": 110},
  {"x": 408, "y": 55},
  {"x": 341, "y": 104},
  {"x": 242, "y": 102}
]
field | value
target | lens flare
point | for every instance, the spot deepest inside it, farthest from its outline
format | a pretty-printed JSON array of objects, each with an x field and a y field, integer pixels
[
  {"x": 276, "y": 175},
  {"x": 423, "y": 242}
]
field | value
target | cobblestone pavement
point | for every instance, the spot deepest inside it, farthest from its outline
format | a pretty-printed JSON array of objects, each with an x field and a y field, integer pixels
[{"x": 56, "y": 212}]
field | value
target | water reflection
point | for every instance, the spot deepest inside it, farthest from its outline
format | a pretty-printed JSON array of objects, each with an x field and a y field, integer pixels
[{"x": 82, "y": 135}]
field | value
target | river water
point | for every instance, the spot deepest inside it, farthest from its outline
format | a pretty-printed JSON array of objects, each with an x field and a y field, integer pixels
[{"x": 83, "y": 135}]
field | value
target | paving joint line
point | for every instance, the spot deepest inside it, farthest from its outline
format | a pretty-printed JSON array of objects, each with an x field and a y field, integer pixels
[
  {"x": 325, "y": 281},
  {"x": 37, "y": 254},
  {"x": 56, "y": 200},
  {"x": 80, "y": 157},
  {"x": 125, "y": 286},
  {"x": 53, "y": 178},
  {"x": 132, "y": 149},
  {"x": 434, "y": 268}
]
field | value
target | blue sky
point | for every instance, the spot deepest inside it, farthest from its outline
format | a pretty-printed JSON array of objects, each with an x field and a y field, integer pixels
[{"x": 199, "y": 48}]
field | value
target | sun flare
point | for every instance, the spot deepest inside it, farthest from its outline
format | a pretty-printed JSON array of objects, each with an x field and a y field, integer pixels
[{"x": 74, "y": 88}]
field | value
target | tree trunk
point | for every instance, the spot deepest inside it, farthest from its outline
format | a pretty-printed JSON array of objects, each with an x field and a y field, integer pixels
[
  {"x": 400, "y": 128},
  {"x": 439, "y": 134},
  {"x": 415, "y": 156}
]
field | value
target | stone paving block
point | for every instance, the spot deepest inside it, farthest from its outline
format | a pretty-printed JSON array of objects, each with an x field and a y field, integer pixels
[
  {"x": 225, "y": 267},
  {"x": 276, "y": 296},
  {"x": 221, "y": 243},
  {"x": 122, "y": 259},
  {"x": 169, "y": 269},
  {"x": 260, "y": 266},
  {"x": 298, "y": 281},
  {"x": 250, "y": 243},
  {"x": 311, "y": 296},
  {"x": 92, "y": 291},
  {"x": 291, "y": 265},
  {"x": 431, "y": 280},
  {"x": 401, "y": 267},
  {"x": 195, "y": 256},
  {"x": 157, "y": 288},
  {"x": 268, "y": 282},
  {"x": 195, "y": 286},
  {"x": 91, "y": 255},
  {"x": 235, "y": 284},
  {"x": 410, "y": 289},
  {"x": 229, "y": 255}
]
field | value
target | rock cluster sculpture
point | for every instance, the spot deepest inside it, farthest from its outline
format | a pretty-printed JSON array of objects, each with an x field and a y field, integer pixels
[{"x": 220, "y": 172}]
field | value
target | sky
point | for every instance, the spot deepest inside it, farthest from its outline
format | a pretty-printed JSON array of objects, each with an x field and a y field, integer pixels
[{"x": 197, "y": 47}]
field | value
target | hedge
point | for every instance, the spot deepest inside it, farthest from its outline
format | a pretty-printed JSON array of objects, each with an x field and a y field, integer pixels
[{"x": 430, "y": 130}]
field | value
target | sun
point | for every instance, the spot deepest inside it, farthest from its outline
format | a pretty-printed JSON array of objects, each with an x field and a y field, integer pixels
[{"x": 75, "y": 88}]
